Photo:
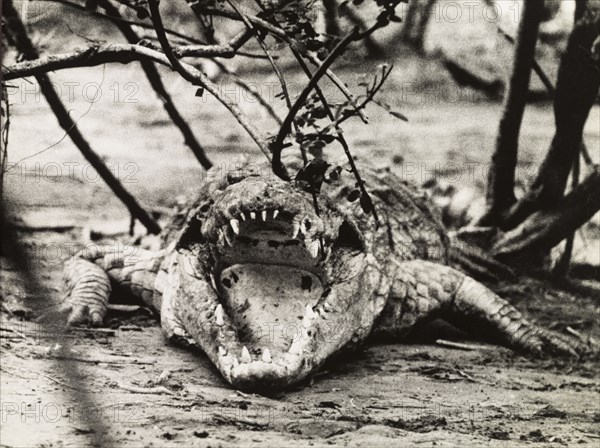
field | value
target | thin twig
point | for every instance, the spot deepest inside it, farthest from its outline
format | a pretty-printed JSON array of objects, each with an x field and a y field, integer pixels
[
  {"x": 459, "y": 345},
  {"x": 146, "y": 390},
  {"x": 265, "y": 50},
  {"x": 250, "y": 89},
  {"x": 563, "y": 263},
  {"x": 368, "y": 98},
  {"x": 285, "y": 95},
  {"x": 4, "y": 132},
  {"x": 277, "y": 145}
]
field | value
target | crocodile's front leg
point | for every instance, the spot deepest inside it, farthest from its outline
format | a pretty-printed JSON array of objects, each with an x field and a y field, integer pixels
[
  {"x": 424, "y": 291},
  {"x": 94, "y": 275}
]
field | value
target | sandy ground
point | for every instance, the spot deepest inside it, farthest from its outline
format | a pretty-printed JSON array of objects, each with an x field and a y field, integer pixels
[{"x": 149, "y": 393}]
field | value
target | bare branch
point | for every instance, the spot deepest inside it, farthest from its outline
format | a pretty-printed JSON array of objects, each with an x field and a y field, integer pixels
[
  {"x": 228, "y": 50},
  {"x": 89, "y": 57},
  {"x": 537, "y": 68},
  {"x": 577, "y": 87},
  {"x": 197, "y": 50},
  {"x": 277, "y": 145},
  {"x": 124, "y": 53},
  {"x": 280, "y": 33}
]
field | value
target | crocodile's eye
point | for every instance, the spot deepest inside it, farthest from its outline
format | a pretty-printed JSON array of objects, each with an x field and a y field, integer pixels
[{"x": 238, "y": 176}]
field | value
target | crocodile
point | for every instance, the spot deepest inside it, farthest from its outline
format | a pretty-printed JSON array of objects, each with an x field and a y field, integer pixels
[{"x": 269, "y": 288}]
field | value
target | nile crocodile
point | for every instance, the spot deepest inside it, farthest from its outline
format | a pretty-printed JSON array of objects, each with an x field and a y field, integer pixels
[{"x": 269, "y": 289}]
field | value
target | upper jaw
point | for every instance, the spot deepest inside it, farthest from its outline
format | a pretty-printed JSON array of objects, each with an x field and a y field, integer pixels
[{"x": 223, "y": 229}]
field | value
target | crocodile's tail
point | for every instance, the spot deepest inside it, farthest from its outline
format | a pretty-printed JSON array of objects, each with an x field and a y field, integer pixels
[{"x": 477, "y": 263}]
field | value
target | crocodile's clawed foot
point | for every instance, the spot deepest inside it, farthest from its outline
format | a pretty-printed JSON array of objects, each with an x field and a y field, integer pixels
[
  {"x": 74, "y": 312},
  {"x": 86, "y": 313},
  {"x": 87, "y": 293},
  {"x": 543, "y": 342}
]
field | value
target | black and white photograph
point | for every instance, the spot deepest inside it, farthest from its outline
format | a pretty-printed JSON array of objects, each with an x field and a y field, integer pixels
[{"x": 300, "y": 223}]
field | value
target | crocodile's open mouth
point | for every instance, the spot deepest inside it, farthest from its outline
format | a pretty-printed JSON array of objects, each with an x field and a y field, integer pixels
[{"x": 270, "y": 280}]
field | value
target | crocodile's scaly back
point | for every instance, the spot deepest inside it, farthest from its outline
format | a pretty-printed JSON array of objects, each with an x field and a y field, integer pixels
[{"x": 410, "y": 224}]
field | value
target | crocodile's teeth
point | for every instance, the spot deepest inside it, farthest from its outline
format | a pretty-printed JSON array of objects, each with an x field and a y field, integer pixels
[
  {"x": 275, "y": 213},
  {"x": 295, "y": 348},
  {"x": 320, "y": 312},
  {"x": 264, "y": 215},
  {"x": 227, "y": 236},
  {"x": 296, "y": 230},
  {"x": 309, "y": 313},
  {"x": 314, "y": 249},
  {"x": 212, "y": 281},
  {"x": 252, "y": 215},
  {"x": 246, "y": 358},
  {"x": 222, "y": 351},
  {"x": 266, "y": 355},
  {"x": 242, "y": 216},
  {"x": 235, "y": 225},
  {"x": 219, "y": 320}
]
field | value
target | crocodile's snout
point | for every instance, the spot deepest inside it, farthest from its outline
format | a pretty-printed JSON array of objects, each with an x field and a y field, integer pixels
[{"x": 291, "y": 285}]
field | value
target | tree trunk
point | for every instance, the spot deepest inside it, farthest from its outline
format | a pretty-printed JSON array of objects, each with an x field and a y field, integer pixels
[
  {"x": 501, "y": 180},
  {"x": 409, "y": 19},
  {"x": 330, "y": 19},
  {"x": 421, "y": 29},
  {"x": 576, "y": 91},
  {"x": 416, "y": 22}
]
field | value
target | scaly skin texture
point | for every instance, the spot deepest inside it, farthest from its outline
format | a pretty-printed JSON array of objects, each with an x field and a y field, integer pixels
[{"x": 269, "y": 290}]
